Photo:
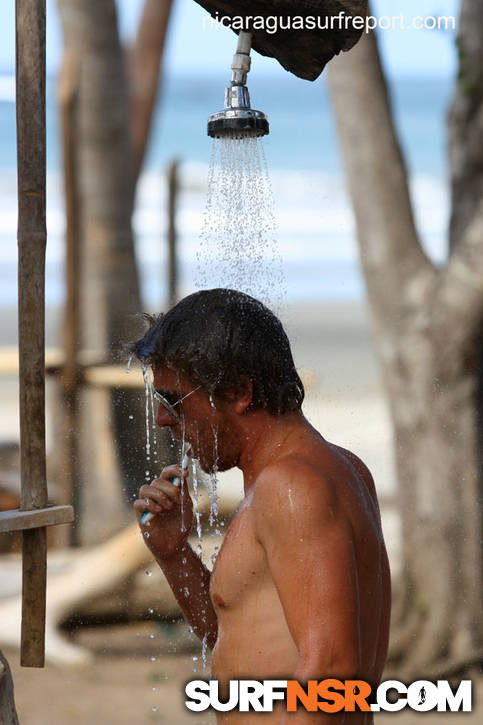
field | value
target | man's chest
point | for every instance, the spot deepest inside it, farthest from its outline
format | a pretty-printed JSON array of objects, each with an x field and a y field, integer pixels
[{"x": 240, "y": 567}]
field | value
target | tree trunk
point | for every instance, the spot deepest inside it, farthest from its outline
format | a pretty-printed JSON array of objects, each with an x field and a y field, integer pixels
[
  {"x": 110, "y": 124},
  {"x": 108, "y": 275},
  {"x": 426, "y": 324},
  {"x": 465, "y": 124},
  {"x": 8, "y": 714}
]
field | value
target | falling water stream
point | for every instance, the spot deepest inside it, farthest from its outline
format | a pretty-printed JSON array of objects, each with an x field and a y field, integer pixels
[
  {"x": 152, "y": 463},
  {"x": 238, "y": 241}
]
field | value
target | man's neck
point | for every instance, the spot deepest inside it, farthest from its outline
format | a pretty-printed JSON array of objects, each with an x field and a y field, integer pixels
[{"x": 266, "y": 439}]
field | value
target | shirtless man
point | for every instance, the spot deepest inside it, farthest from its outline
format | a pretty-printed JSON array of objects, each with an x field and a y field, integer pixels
[{"x": 301, "y": 586}]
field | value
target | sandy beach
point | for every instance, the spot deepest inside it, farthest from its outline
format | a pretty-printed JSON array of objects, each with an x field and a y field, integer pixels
[{"x": 118, "y": 689}]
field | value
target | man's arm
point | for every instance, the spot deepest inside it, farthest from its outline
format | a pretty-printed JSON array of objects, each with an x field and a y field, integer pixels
[
  {"x": 166, "y": 535},
  {"x": 189, "y": 580},
  {"x": 309, "y": 546}
]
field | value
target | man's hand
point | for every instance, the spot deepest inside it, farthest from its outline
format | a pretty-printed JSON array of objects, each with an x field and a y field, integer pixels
[
  {"x": 168, "y": 533},
  {"x": 173, "y": 512}
]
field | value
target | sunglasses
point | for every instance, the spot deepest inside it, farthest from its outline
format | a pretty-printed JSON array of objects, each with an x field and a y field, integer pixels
[{"x": 168, "y": 405}]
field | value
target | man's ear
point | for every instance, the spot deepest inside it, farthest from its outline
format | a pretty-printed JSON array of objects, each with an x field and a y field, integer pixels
[{"x": 244, "y": 397}]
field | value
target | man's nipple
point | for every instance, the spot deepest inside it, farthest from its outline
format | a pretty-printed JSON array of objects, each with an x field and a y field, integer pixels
[{"x": 218, "y": 601}]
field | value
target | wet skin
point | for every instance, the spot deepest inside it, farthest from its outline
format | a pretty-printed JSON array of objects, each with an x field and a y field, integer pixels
[{"x": 301, "y": 586}]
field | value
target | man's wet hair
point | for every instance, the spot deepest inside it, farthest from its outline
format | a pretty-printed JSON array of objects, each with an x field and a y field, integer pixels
[{"x": 220, "y": 339}]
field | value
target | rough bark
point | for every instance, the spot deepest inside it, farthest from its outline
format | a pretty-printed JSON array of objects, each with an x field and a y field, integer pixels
[
  {"x": 426, "y": 324},
  {"x": 466, "y": 151},
  {"x": 105, "y": 169},
  {"x": 8, "y": 714},
  {"x": 466, "y": 121},
  {"x": 108, "y": 275},
  {"x": 109, "y": 125}
]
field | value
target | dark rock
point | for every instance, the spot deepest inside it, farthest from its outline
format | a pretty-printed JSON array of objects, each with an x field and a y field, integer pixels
[{"x": 305, "y": 52}]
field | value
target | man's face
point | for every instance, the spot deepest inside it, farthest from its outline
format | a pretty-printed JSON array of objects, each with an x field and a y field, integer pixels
[{"x": 207, "y": 424}]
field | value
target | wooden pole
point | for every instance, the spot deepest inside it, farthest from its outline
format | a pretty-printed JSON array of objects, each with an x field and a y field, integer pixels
[
  {"x": 173, "y": 187},
  {"x": 146, "y": 64},
  {"x": 32, "y": 237},
  {"x": 71, "y": 328}
]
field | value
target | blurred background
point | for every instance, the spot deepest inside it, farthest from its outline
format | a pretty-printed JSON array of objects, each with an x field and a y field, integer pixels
[
  {"x": 306, "y": 169},
  {"x": 142, "y": 654}
]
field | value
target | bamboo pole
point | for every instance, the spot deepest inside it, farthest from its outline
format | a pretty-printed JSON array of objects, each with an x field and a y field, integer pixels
[
  {"x": 31, "y": 160},
  {"x": 173, "y": 187}
]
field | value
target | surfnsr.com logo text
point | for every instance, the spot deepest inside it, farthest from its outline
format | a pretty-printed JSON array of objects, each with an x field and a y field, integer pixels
[{"x": 329, "y": 695}]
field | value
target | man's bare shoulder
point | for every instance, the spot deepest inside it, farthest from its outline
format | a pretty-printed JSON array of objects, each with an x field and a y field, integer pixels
[
  {"x": 326, "y": 484},
  {"x": 321, "y": 469},
  {"x": 359, "y": 466},
  {"x": 296, "y": 487}
]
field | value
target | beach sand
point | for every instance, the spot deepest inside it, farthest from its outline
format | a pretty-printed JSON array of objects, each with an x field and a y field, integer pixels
[{"x": 117, "y": 689}]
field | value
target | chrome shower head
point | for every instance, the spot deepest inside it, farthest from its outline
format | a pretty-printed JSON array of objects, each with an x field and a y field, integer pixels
[{"x": 238, "y": 119}]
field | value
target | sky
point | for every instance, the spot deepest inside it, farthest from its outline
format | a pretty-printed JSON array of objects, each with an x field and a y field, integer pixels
[{"x": 192, "y": 48}]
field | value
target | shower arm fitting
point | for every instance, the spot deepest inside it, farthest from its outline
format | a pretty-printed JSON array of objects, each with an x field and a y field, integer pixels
[{"x": 241, "y": 60}]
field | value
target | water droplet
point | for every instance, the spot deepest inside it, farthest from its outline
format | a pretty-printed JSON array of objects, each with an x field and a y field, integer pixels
[
  {"x": 149, "y": 572},
  {"x": 154, "y": 708},
  {"x": 153, "y": 659}
]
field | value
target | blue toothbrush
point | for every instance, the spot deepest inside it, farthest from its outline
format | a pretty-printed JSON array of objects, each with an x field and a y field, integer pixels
[{"x": 147, "y": 515}]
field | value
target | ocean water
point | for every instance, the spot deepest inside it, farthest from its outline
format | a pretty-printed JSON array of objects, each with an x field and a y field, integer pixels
[{"x": 316, "y": 233}]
